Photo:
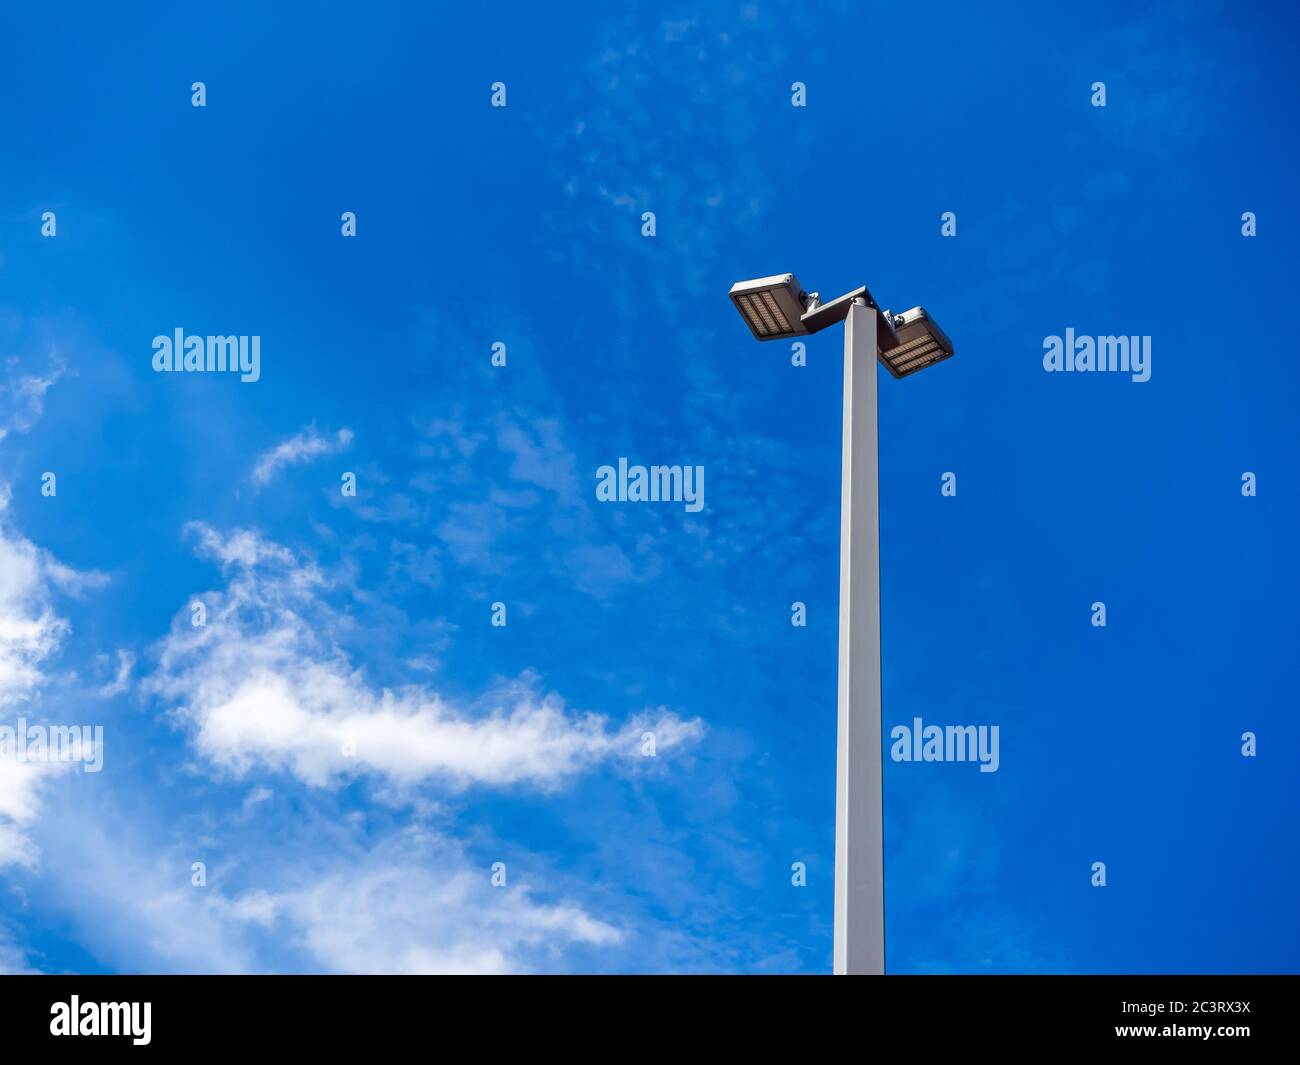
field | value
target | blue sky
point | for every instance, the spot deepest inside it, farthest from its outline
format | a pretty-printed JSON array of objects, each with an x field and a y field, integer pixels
[{"x": 366, "y": 619}]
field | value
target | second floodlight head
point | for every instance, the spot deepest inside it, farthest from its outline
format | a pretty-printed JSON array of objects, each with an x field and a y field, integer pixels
[{"x": 920, "y": 343}]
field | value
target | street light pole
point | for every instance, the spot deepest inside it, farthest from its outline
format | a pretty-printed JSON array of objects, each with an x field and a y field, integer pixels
[
  {"x": 859, "y": 937},
  {"x": 778, "y": 308}
]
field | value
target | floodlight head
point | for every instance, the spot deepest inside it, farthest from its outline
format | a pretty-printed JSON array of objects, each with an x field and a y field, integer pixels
[
  {"x": 772, "y": 306},
  {"x": 921, "y": 343}
]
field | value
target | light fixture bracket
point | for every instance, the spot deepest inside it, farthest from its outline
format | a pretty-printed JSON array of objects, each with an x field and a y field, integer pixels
[{"x": 828, "y": 314}]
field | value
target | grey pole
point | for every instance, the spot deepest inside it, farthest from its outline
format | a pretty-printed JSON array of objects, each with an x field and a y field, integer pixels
[{"x": 859, "y": 809}]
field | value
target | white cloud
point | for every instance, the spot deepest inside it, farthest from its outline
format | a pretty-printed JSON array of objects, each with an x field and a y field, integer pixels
[
  {"x": 439, "y": 916},
  {"x": 265, "y": 683},
  {"x": 539, "y": 455},
  {"x": 412, "y": 902},
  {"x": 255, "y": 798},
  {"x": 122, "y": 681},
  {"x": 130, "y": 904},
  {"x": 20, "y": 785},
  {"x": 303, "y": 447},
  {"x": 13, "y": 960},
  {"x": 30, "y": 631},
  {"x": 22, "y": 398}
]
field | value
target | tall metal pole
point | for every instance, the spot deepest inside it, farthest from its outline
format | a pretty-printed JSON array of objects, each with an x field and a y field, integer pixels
[{"x": 859, "y": 808}]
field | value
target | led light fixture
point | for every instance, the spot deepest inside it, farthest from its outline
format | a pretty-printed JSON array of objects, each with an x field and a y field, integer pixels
[
  {"x": 921, "y": 343},
  {"x": 772, "y": 306}
]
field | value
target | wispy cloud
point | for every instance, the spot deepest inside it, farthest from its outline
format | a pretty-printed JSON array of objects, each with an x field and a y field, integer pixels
[
  {"x": 13, "y": 960},
  {"x": 30, "y": 630},
  {"x": 304, "y": 446},
  {"x": 20, "y": 787},
  {"x": 122, "y": 680},
  {"x": 22, "y": 397},
  {"x": 409, "y": 918},
  {"x": 266, "y": 683},
  {"x": 31, "y": 633},
  {"x": 418, "y": 902}
]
